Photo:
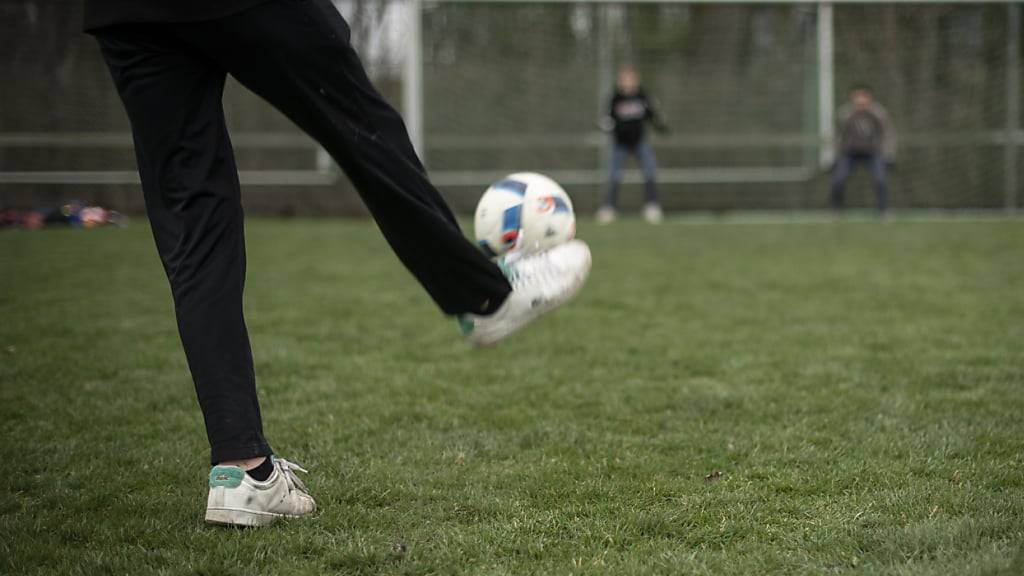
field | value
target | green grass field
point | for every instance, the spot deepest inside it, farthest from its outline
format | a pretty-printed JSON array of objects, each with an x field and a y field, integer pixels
[{"x": 858, "y": 387}]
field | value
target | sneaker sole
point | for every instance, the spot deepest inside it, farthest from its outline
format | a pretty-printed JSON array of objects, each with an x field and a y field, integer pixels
[{"x": 241, "y": 517}]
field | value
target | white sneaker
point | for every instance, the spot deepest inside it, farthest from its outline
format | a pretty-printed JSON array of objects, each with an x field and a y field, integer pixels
[
  {"x": 540, "y": 283},
  {"x": 652, "y": 213},
  {"x": 605, "y": 215},
  {"x": 237, "y": 499}
]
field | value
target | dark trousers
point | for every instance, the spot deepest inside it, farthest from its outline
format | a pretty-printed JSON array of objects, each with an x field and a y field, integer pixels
[
  {"x": 645, "y": 155},
  {"x": 295, "y": 54},
  {"x": 841, "y": 173}
]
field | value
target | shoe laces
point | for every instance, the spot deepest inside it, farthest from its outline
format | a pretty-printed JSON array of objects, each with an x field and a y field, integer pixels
[
  {"x": 288, "y": 469},
  {"x": 529, "y": 270}
]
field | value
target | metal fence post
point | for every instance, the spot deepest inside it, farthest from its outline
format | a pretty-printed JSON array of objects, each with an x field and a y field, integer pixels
[
  {"x": 1013, "y": 87},
  {"x": 605, "y": 78},
  {"x": 826, "y": 91},
  {"x": 809, "y": 128}
]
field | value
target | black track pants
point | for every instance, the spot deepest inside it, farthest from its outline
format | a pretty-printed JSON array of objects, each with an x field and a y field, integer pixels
[{"x": 295, "y": 54}]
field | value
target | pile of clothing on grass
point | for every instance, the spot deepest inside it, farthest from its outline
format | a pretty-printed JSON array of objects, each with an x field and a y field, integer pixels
[{"x": 74, "y": 214}]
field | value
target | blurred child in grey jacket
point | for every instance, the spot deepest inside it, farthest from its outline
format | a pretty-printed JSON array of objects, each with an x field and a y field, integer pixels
[{"x": 864, "y": 135}]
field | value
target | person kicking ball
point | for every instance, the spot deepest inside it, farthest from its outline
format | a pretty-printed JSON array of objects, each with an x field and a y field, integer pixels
[{"x": 169, "y": 61}]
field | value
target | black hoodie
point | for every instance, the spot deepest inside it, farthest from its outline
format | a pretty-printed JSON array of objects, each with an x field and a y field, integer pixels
[
  {"x": 629, "y": 113},
  {"x": 101, "y": 13}
]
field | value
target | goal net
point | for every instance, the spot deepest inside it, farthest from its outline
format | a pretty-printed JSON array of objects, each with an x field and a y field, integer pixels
[{"x": 748, "y": 89}]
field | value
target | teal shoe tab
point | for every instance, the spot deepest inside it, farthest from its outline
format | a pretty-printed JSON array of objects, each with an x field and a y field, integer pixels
[
  {"x": 465, "y": 324},
  {"x": 505, "y": 268},
  {"x": 226, "y": 476}
]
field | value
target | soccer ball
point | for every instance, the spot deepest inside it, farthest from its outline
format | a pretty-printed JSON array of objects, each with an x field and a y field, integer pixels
[{"x": 523, "y": 211}]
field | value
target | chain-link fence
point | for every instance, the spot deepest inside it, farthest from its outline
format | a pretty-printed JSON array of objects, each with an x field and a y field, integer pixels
[
  {"x": 522, "y": 85},
  {"x": 748, "y": 90}
]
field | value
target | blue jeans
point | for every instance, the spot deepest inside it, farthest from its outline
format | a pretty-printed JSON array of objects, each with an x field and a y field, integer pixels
[
  {"x": 645, "y": 156},
  {"x": 844, "y": 166}
]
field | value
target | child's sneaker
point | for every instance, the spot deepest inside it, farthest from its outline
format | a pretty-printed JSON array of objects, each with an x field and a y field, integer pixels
[{"x": 652, "y": 213}]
